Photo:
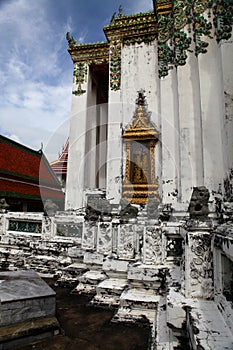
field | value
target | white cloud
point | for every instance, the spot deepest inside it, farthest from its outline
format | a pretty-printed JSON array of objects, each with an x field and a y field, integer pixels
[
  {"x": 36, "y": 71},
  {"x": 36, "y": 88},
  {"x": 142, "y": 6}
]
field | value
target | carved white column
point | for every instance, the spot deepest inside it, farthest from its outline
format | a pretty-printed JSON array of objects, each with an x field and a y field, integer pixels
[
  {"x": 90, "y": 167},
  {"x": 102, "y": 146},
  {"x": 198, "y": 264},
  {"x": 170, "y": 139},
  {"x": 227, "y": 54},
  {"x": 191, "y": 145},
  {"x": 212, "y": 105},
  {"x": 140, "y": 72},
  {"x": 114, "y": 147},
  {"x": 77, "y": 140}
]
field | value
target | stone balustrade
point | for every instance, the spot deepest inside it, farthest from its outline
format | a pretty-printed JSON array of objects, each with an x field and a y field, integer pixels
[{"x": 182, "y": 262}]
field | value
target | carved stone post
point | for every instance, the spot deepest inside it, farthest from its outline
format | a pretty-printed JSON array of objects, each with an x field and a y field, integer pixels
[{"x": 198, "y": 271}]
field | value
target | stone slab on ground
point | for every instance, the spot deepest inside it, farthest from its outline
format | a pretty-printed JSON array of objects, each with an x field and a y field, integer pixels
[
  {"x": 211, "y": 330},
  {"x": 139, "y": 298},
  {"x": 134, "y": 316},
  {"x": 21, "y": 285},
  {"x": 24, "y": 296},
  {"x": 23, "y": 333},
  {"x": 88, "y": 282},
  {"x": 109, "y": 291}
]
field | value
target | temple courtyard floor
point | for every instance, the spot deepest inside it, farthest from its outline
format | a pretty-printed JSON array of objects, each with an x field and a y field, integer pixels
[{"x": 88, "y": 328}]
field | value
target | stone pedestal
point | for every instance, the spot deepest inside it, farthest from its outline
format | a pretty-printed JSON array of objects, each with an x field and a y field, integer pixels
[
  {"x": 27, "y": 310},
  {"x": 198, "y": 273}
]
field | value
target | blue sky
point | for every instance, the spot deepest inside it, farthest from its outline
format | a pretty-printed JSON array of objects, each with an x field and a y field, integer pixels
[{"x": 36, "y": 69}]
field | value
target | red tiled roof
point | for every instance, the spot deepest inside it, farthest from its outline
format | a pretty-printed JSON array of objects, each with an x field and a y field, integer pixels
[
  {"x": 60, "y": 166},
  {"x": 26, "y": 173}
]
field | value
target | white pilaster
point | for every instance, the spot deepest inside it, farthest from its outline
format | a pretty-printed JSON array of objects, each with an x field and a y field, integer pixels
[
  {"x": 170, "y": 138},
  {"x": 212, "y": 105},
  {"x": 90, "y": 140},
  {"x": 102, "y": 146},
  {"x": 114, "y": 147},
  {"x": 227, "y": 54},
  {"x": 139, "y": 71},
  {"x": 76, "y": 159},
  {"x": 191, "y": 153}
]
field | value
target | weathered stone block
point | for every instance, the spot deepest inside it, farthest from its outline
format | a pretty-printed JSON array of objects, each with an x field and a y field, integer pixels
[
  {"x": 24, "y": 296},
  {"x": 93, "y": 258}
]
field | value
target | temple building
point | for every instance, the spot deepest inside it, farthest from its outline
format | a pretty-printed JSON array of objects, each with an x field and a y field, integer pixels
[
  {"x": 26, "y": 178},
  {"x": 161, "y": 85},
  {"x": 59, "y": 166},
  {"x": 148, "y": 222}
]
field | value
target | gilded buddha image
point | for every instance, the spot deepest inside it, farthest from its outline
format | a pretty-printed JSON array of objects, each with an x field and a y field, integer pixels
[{"x": 140, "y": 163}]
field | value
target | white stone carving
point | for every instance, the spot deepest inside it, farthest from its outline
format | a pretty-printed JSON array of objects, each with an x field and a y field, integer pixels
[
  {"x": 104, "y": 239},
  {"x": 152, "y": 245},
  {"x": 200, "y": 261},
  {"x": 126, "y": 241},
  {"x": 89, "y": 235}
]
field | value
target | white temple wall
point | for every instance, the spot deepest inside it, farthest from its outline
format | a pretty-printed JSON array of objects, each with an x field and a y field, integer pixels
[
  {"x": 197, "y": 132},
  {"x": 76, "y": 160},
  {"x": 189, "y": 109},
  {"x": 102, "y": 146},
  {"x": 139, "y": 71},
  {"x": 212, "y": 106},
  {"x": 170, "y": 139},
  {"x": 114, "y": 147},
  {"x": 227, "y": 58},
  {"x": 90, "y": 141},
  {"x": 191, "y": 157}
]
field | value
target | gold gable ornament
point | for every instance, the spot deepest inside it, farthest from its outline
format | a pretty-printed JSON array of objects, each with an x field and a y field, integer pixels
[{"x": 140, "y": 138}]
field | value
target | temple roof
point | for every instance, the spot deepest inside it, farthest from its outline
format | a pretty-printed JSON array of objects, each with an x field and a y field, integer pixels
[
  {"x": 60, "y": 166},
  {"x": 25, "y": 173}
]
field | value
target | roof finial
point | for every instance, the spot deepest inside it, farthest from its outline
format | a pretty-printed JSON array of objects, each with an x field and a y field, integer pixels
[
  {"x": 113, "y": 19},
  {"x": 41, "y": 147},
  {"x": 120, "y": 12},
  {"x": 70, "y": 40},
  {"x": 141, "y": 98}
]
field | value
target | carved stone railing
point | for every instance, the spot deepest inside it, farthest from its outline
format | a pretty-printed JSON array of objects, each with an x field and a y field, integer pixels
[
  {"x": 25, "y": 226},
  {"x": 28, "y": 223},
  {"x": 148, "y": 243}
]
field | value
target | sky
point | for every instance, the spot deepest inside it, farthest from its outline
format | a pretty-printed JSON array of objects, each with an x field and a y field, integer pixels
[{"x": 35, "y": 68}]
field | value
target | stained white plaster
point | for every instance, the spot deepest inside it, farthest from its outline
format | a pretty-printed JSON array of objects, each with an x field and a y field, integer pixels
[
  {"x": 90, "y": 136},
  {"x": 191, "y": 158},
  {"x": 114, "y": 147},
  {"x": 102, "y": 146},
  {"x": 139, "y": 71},
  {"x": 170, "y": 137},
  {"x": 76, "y": 160},
  {"x": 212, "y": 106},
  {"x": 227, "y": 54}
]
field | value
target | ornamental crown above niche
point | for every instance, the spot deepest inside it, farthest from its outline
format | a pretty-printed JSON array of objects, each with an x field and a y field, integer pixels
[
  {"x": 140, "y": 139},
  {"x": 141, "y": 127}
]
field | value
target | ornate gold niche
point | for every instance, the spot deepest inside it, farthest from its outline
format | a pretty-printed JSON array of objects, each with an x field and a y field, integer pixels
[{"x": 140, "y": 139}]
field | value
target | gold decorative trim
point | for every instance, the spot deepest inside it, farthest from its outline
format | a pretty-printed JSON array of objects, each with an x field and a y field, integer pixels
[
  {"x": 163, "y": 7},
  {"x": 141, "y": 127},
  {"x": 140, "y": 137},
  {"x": 90, "y": 53},
  {"x": 126, "y": 27},
  {"x": 127, "y": 166}
]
